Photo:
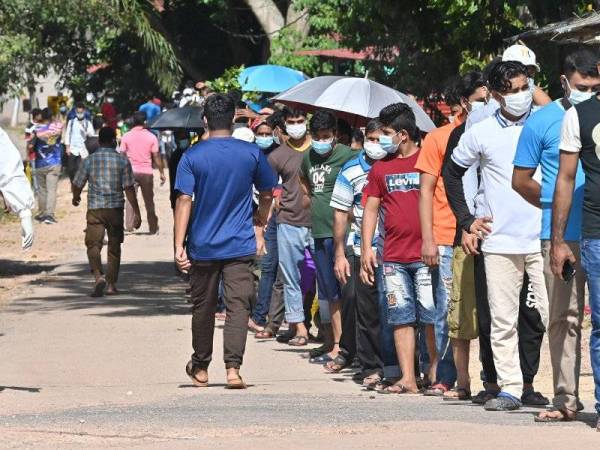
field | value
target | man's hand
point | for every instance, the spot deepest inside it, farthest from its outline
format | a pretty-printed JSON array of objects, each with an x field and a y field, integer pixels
[
  {"x": 430, "y": 254},
  {"x": 68, "y": 150},
  {"x": 368, "y": 263},
  {"x": 261, "y": 249},
  {"x": 341, "y": 269},
  {"x": 137, "y": 220},
  {"x": 163, "y": 178},
  {"x": 480, "y": 227},
  {"x": 559, "y": 254},
  {"x": 469, "y": 243},
  {"x": 76, "y": 200},
  {"x": 181, "y": 259},
  {"x": 26, "y": 231}
]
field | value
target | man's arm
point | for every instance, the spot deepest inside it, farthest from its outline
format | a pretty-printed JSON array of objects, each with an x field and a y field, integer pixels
[
  {"x": 540, "y": 97},
  {"x": 526, "y": 186},
  {"x": 368, "y": 260},
  {"x": 183, "y": 209},
  {"x": 265, "y": 200},
  {"x": 340, "y": 224},
  {"x": 429, "y": 250},
  {"x": 158, "y": 162},
  {"x": 132, "y": 198},
  {"x": 563, "y": 194},
  {"x": 306, "y": 191}
]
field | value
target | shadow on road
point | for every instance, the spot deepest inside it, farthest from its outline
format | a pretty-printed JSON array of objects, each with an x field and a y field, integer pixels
[
  {"x": 21, "y": 388},
  {"x": 146, "y": 289},
  {"x": 11, "y": 268}
]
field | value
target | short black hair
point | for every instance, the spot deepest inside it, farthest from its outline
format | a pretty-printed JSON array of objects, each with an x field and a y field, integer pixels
[
  {"x": 80, "y": 105},
  {"x": 107, "y": 137},
  {"x": 505, "y": 71},
  {"x": 358, "y": 136},
  {"x": 292, "y": 112},
  {"x": 36, "y": 112},
  {"x": 400, "y": 116},
  {"x": 373, "y": 125},
  {"x": 451, "y": 94},
  {"x": 343, "y": 127},
  {"x": 322, "y": 120},
  {"x": 489, "y": 67},
  {"x": 139, "y": 118},
  {"x": 585, "y": 61},
  {"x": 276, "y": 120},
  {"x": 469, "y": 83},
  {"x": 46, "y": 114},
  {"x": 98, "y": 121},
  {"x": 219, "y": 110}
]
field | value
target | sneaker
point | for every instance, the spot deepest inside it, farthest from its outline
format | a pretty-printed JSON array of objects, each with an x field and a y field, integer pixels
[
  {"x": 503, "y": 402},
  {"x": 39, "y": 217},
  {"x": 533, "y": 398},
  {"x": 484, "y": 396},
  {"x": 50, "y": 220}
]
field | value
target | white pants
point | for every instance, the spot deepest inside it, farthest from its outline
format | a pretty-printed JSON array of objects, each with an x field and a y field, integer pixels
[{"x": 504, "y": 281}]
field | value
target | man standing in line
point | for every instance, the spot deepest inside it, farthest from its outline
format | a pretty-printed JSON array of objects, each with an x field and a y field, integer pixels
[
  {"x": 538, "y": 146},
  {"x": 108, "y": 174},
  {"x": 76, "y": 133},
  {"x": 580, "y": 139},
  {"x": 141, "y": 147},
  {"x": 221, "y": 240}
]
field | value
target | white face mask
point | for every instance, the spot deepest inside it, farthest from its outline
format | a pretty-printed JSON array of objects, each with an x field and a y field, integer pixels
[
  {"x": 296, "y": 131},
  {"x": 518, "y": 104},
  {"x": 576, "y": 97},
  {"x": 477, "y": 105},
  {"x": 374, "y": 150}
]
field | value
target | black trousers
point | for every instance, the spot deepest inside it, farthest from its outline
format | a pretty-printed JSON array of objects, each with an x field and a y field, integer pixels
[
  {"x": 531, "y": 328},
  {"x": 363, "y": 302}
]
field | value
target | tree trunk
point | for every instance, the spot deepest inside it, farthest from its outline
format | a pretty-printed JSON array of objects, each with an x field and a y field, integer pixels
[{"x": 268, "y": 15}]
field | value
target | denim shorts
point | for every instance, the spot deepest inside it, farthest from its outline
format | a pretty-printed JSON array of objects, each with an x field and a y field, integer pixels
[
  {"x": 324, "y": 257},
  {"x": 409, "y": 293}
]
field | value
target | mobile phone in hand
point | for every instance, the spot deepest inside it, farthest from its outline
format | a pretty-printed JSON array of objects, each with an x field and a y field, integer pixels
[{"x": 568, "y": 271}]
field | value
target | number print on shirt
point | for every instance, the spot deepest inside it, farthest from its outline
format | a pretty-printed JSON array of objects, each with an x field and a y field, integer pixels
[
  {"x": 402, "y": 182},
  {"x": 318, "y": 174}
]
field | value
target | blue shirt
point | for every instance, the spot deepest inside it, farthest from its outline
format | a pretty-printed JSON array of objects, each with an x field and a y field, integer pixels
[
  {"x": 539, "y": 145},
  {"x": 151, "y": 109},
  {"x": 220, "y": 173}
]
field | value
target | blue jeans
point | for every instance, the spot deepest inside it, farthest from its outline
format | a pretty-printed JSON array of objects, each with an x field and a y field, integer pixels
[
  {"x": 268, "y": 274},
  {"x": 391, "y": 369},
  {"x": 442, "y": 285},
  {"x": 409, "y": 294},
  {"x": 590, "y": 260},
  {"x": 291, "y": 244}
]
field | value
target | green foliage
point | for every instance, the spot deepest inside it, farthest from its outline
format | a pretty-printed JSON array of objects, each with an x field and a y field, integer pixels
[{"x": 228, "y": 81}]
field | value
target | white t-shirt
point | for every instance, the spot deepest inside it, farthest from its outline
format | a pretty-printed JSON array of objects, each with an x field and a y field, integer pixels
[
  {"x": 76, "y": 134},
  {"x": 516, "y": 224},
  {"x": 570, "y": 139}
]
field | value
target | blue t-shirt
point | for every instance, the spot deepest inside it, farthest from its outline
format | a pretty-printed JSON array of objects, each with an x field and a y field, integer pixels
[
  {"x": 220, "y": 173},
  {"x": 151, "y": 109},
  {"x": 539, "y": 145}
]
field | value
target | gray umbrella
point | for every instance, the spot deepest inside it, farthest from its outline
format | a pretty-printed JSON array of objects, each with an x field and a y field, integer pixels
[
  {"x": 357, "y": 99},
  {"x": 185, "y": 118}
]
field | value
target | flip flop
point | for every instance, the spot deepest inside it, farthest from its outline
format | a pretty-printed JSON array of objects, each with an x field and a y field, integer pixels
[
  {"x": 564, "y": 417},
  {"x": 399, "y": 389},
  {"x": 237, "y": 383},
  {"x": 192, "y": 375},
  {"x": 298, "y": 341},
  {"x": 323, "y": 359},
  {"x": 264, "y": 334},
  {"x": 461, "y": 395},
  {"x": 99, "y": 288},
  {"x": 338, "y": 364}
]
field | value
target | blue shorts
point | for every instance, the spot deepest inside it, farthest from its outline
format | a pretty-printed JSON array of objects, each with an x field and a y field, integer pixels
[
  {"x": 409, "y": 291},
  {"x": 324, "y": 257}
]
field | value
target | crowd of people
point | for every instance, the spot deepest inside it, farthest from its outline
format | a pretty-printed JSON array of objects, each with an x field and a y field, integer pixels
[{"x": 392, "y": 248}]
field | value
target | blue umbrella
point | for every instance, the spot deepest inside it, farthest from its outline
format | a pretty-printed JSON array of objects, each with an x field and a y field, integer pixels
[{"x": 269, "y": 78}]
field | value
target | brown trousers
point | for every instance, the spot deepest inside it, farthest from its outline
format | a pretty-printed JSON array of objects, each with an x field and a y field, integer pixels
[
  {"x": 146, "y": 183},
  {"x": 99, "y": 221},
  {"x": 238, "y": 285}
]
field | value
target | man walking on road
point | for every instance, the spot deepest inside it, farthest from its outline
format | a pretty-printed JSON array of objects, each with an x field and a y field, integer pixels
[
  {"x": 141, "y": 147},
  {"x": 78, "y": 130},
  {"x": 108, "y": 174},
  {"x": 219, "y": 173}
]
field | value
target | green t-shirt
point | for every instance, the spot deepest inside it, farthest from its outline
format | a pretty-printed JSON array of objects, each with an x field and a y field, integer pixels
[{"x": 321, "y": 173}]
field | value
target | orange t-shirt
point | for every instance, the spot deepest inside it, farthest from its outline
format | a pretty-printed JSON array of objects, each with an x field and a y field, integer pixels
[{"x": 430, "y": 161}]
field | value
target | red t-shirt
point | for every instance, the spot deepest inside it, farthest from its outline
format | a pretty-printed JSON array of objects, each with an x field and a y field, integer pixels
[{"x": 396, "y": 183}]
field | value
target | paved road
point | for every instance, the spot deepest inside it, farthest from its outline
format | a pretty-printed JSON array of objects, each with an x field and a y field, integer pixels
[{"x": 78, "y": 371}]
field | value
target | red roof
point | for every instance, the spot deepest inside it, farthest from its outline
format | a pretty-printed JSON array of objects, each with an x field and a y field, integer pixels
[{"x": 347, "y": 53}]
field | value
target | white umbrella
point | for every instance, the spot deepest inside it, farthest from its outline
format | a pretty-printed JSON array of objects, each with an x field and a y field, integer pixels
[{"x": 359, "y": 98}]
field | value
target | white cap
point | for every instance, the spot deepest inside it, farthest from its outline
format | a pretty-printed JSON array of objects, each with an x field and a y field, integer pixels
[
  {"x": 190, "y": 91},
  {"x": 522, "y": 54},
  {"x": 244, "y": 134}
]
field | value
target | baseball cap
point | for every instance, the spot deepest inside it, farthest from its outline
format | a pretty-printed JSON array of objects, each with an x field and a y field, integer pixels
[
  {"x": 522, "y": 54},
  {"x": 244, "y": 134}
]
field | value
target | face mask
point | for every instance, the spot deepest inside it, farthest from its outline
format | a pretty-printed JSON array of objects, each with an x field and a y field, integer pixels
[
  {"x": 387, "y": 143},
  {"x": 276, "y": 139},
  {"x": 374, "y": 150},
  {"x": 296, "y": 131},
  {"x": 63, "y": 109},
  {"x": 109, "y": 99},
  {"x": 80, "y": 116},
  {"x": 322, "y": 147},
  {"x": 576, "y": 96},
  {"x": 518, "y": 104},
  {"x": 264, "y": 142},
  {"x": 477, "y": 105},
  {"x": 184, "y": 143}
]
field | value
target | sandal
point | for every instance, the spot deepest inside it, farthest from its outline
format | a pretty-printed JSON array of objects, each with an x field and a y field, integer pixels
[
  {"x": 437, "y": 390},
  {"x": 192, "y": 374},
  {"x": 459, "y": 394},
  {"x": 383, "y": 384},
  {"x": 336, "y": 365},
  {"x": 99, "y": 288},
  {"x": 483, "y": 396},
  {"x": 298, "y": 341},
  {"x": 264, "y": 334},
  {"x": 323, "y": 359},
  {"x": 564, "y": 417},
  {"x": 371, "y": 381},
  {"x": 398, "y": 389},
  {"x": 236, "y": 383}
]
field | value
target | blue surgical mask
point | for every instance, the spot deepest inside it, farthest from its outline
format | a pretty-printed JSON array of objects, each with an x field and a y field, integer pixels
[
  {"x": 276, "y": 139},
  {"x": 387, "y": 143},
  {"x": 264, "y": 142},
  {"x": 322, "y": 147}
]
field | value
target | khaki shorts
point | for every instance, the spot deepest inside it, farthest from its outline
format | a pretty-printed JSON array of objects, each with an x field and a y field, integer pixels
[{"x": 462, "y": 311}]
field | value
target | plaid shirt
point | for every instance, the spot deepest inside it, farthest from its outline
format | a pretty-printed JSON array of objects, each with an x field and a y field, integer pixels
[{"x": 108, "y": 174}]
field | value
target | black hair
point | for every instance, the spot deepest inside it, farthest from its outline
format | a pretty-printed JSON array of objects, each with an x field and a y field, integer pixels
[
  {"x": 139, "y": 118},
  {"x": 292, "y": 112},
  {"x": 236, "y": 96},
  {"x": 80, "y": 105},
  {"x": 399, "y": 116},
  {"x": 98, "y": 122},
  {"x": 36, "y": 112},
  {"x": 585, "y": 61},
  {"x": 322, "y": 120},
  {"x": 451, "y": 94},
  {"x": 489, "y": 67},
  {"x": 343, "y": 127},
  {"x": 219, "y": 110},
  {"x": 469, "y": 83},
  {"x": 107, "y": 137},
  {"x": 276, "y": 120},
  {"x": 505, "y": 71},
  {"x": 358, "y": 136},
  {"x": 373, "y": 125},
  {"x": 46, "y": 114}
]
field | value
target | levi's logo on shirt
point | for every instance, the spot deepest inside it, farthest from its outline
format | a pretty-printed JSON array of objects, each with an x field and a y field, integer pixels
[{"x": 402, "y": 182}]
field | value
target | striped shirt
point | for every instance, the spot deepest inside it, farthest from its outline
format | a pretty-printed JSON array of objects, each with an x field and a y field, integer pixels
[
  {"x": 347, "y": 195},
  {"x": 108, "y": 174}
]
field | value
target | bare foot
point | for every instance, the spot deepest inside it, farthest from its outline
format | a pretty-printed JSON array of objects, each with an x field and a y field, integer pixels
[
  {"x": 254, "y": 327},
  {"x": 111, "y": 289},
  {"x": 234, "y": 380},
  {"x": 556, "y": 415}
]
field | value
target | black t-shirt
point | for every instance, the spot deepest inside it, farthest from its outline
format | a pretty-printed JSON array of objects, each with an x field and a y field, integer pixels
[
  {"x": 452, "y": 144},
  {"x": 588, "y": 113}
]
